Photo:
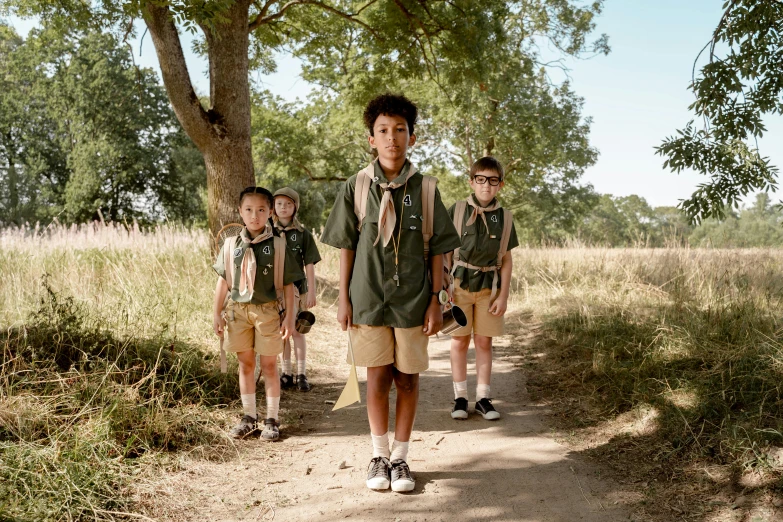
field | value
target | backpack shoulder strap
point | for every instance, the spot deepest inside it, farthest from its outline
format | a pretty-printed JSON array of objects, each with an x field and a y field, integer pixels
[
  {"x": 279, "y": 263},
  {"x": 428, "y": 188},
  {"x": 360, "y": 194},
  {"x": 508, "y": 222},
  {"x": 228, "y": 260},
  {"x": 459, "y": 219}
]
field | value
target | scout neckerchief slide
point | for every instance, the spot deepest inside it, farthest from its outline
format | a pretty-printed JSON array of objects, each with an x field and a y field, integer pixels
[{"x": 350, "y": 393}]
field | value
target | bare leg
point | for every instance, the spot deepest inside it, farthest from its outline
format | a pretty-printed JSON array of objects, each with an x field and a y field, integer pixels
[
  {"x": 407, "y": 400},
  {"x": 483, "y": 358},
  {"x": 379, "y": 381},
  {"x": 459, "y": 358},
  {"x": 247, "y": 368},
  {"x": 271, "y": 380},
  {"x": 300, "y": 347}
]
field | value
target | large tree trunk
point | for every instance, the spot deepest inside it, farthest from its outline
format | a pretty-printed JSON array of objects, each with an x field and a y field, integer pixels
[{"x": 222, "y": 133}]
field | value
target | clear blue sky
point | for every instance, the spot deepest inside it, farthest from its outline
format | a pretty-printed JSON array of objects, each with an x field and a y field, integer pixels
[{"x": 637, "y": 95}]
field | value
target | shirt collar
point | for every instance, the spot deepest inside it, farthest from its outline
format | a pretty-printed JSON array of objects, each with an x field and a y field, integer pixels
[
  {"x": 476, "y": 201},
  {"x": 380, "y": 177}
]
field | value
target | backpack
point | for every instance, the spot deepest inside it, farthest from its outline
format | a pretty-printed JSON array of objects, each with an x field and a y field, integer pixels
[
  {"x": 364, "y": 181},
  {"x": 279, "y": 269}
]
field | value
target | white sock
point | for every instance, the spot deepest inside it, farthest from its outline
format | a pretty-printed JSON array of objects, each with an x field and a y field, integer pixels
[
  {"x": 460, "y": 389},
  {"x": 300, "y": 366},
  {"x": 249, "y": 404},
  {"x": 399, "y": 451},
  {"x": 380, "y": 445},
  {"x": 482, "y": 392},
  {"x": 287, "y": 366},
  {"x": 272, "y": 407}
]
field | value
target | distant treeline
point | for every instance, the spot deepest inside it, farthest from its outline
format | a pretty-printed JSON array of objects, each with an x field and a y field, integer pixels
[{"x": 85, "y": 135}]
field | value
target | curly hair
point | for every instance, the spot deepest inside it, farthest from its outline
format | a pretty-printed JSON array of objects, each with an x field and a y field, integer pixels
[{"x": 390, "y": 105}]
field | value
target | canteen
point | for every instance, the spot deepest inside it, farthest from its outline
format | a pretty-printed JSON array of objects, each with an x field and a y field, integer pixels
[
  {"x": 304, "y": 321},
  {"x": 453, "y": 318}
]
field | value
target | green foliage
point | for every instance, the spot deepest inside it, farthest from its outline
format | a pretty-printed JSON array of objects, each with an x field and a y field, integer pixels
[
  {"x": 733, "y": 93},
  {"x": 87, "y": 131}
]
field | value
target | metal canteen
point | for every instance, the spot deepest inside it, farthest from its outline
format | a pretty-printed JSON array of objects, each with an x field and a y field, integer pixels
[
  {"x": 304, "y": 321},
  {"x": 453, "y": 318}
]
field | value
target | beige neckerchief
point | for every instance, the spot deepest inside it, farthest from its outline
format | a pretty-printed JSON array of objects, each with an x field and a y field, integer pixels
[
  {"x": 247, "y": 277},
  {"x": 478, "y": 210},
  {"x": 387, "y": 218},
  {"x": 293, "y": 225}
]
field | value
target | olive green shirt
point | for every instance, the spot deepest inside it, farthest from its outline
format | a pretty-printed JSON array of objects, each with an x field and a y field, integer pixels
[
  {"x": 302, "y": 244},
  {"x": 375, "y": 296},
  {"x": 480, "y": 248},
  {"x": 264, "y": 285}
]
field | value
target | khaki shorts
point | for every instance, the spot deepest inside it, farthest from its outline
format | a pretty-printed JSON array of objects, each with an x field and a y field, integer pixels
[
  {"x": 300, "y": 301},
  {"x": 476, "y": 308},
  {"x": 251, "y": 326},
  {"x": 406, "y": 348}
]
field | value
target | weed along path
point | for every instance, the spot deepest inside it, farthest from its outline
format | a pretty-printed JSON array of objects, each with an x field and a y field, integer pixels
[{"x": 511, "y": 469}]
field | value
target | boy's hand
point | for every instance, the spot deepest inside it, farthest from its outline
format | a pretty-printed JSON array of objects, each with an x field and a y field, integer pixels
[
  {"x": 310, "y": 299},
  {"x": 498, "y": 308},
  {"x": 345, "y": 314},
  {"x": 287, "y": 327},
  {"x": 433, "y": 318},
  {"x": 218, "y": 324}
]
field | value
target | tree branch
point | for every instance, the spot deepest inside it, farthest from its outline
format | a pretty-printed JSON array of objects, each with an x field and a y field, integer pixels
[
  {"x": 264, "y": 19},
  {"x": 176, "y": 79}
]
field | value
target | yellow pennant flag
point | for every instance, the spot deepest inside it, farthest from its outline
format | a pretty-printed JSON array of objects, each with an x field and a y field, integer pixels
[{"x": 350, "y": 393}]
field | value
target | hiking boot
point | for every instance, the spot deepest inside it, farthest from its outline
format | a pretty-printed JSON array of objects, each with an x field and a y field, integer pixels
[
  {"x": 245, "y": 427},
  {"x": 401, "y": 477},
  {"x": 460, "y": 410},
  {"x": 485, "y": 408},
  {"x": 378, "y": 474},
  {"x": 286, "y": 381},
  {"x": 270, "y": 431},
  {"x": 301, "y": 383}
]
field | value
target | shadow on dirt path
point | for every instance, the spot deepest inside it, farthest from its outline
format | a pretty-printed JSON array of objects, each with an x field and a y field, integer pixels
[{"x": 511, "y": 469}]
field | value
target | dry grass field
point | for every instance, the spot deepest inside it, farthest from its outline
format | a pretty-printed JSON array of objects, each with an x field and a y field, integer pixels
[{"x": 665, "y": 364}]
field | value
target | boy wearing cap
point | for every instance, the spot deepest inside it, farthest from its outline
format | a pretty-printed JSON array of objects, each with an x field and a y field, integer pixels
[
  {"x": 386, "y": 300},
  {"x": 300, "y": 241}
]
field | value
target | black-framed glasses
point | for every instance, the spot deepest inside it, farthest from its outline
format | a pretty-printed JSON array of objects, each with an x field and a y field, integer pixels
[{"x": 494, "y": 181}]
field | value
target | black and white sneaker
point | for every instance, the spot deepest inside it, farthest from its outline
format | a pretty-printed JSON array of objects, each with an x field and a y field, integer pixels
[
  {"x": 271, "y": 430},
  {"x": 460, "y": 410},
  {"x": 485, "y": 408},
  {"x": 286, "y": 381},
  {"x": 401, "y": 477},
  {"x": 301, "y": 383},
  {"x": 378, "y": 474},
  {"x": 245, "y": 427}
]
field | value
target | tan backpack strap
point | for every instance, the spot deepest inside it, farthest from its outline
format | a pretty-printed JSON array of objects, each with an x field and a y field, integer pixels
[
  {"x": 428, "y": 188},
  {"x": 459, "y": 219},
  {"x": 228, "y": 261},
  {"x": 360, "y": 194},
  {"x": 279, "y": 270},
  {"x": 508, "y": 222}
]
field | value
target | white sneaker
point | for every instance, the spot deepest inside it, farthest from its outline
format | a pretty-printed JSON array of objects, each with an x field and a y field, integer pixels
[
  {"x": 402, "y": 479},
  {"x": 378, "y": 473}
]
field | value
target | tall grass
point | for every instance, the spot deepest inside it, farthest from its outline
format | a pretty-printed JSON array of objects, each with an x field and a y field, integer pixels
[
  {"x": 693, "y": 335},
  {"x": 107, "y": 354}
]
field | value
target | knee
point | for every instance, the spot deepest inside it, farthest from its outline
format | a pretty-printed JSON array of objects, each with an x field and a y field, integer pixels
[
  {"x": 406, "y": 383},
  {"x": 483, "y": 343},
  {"x": 246, "y": 364},
  {"x": 460, "y": 344},
  {"x": 269, "y": 365}
]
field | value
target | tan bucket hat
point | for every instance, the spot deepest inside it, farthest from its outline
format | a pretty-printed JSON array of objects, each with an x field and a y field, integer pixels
[{"x": 291, "y": 194}]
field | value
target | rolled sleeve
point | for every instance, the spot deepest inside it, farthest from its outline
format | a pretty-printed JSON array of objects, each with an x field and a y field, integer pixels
[{"x": 340, "y": 230}]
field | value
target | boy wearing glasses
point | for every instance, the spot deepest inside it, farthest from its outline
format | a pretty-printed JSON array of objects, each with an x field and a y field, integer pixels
[{"x": 481, "y": 282}]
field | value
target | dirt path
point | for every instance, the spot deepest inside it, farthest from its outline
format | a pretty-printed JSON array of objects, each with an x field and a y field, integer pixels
[{"x": 465, "y": 470}]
